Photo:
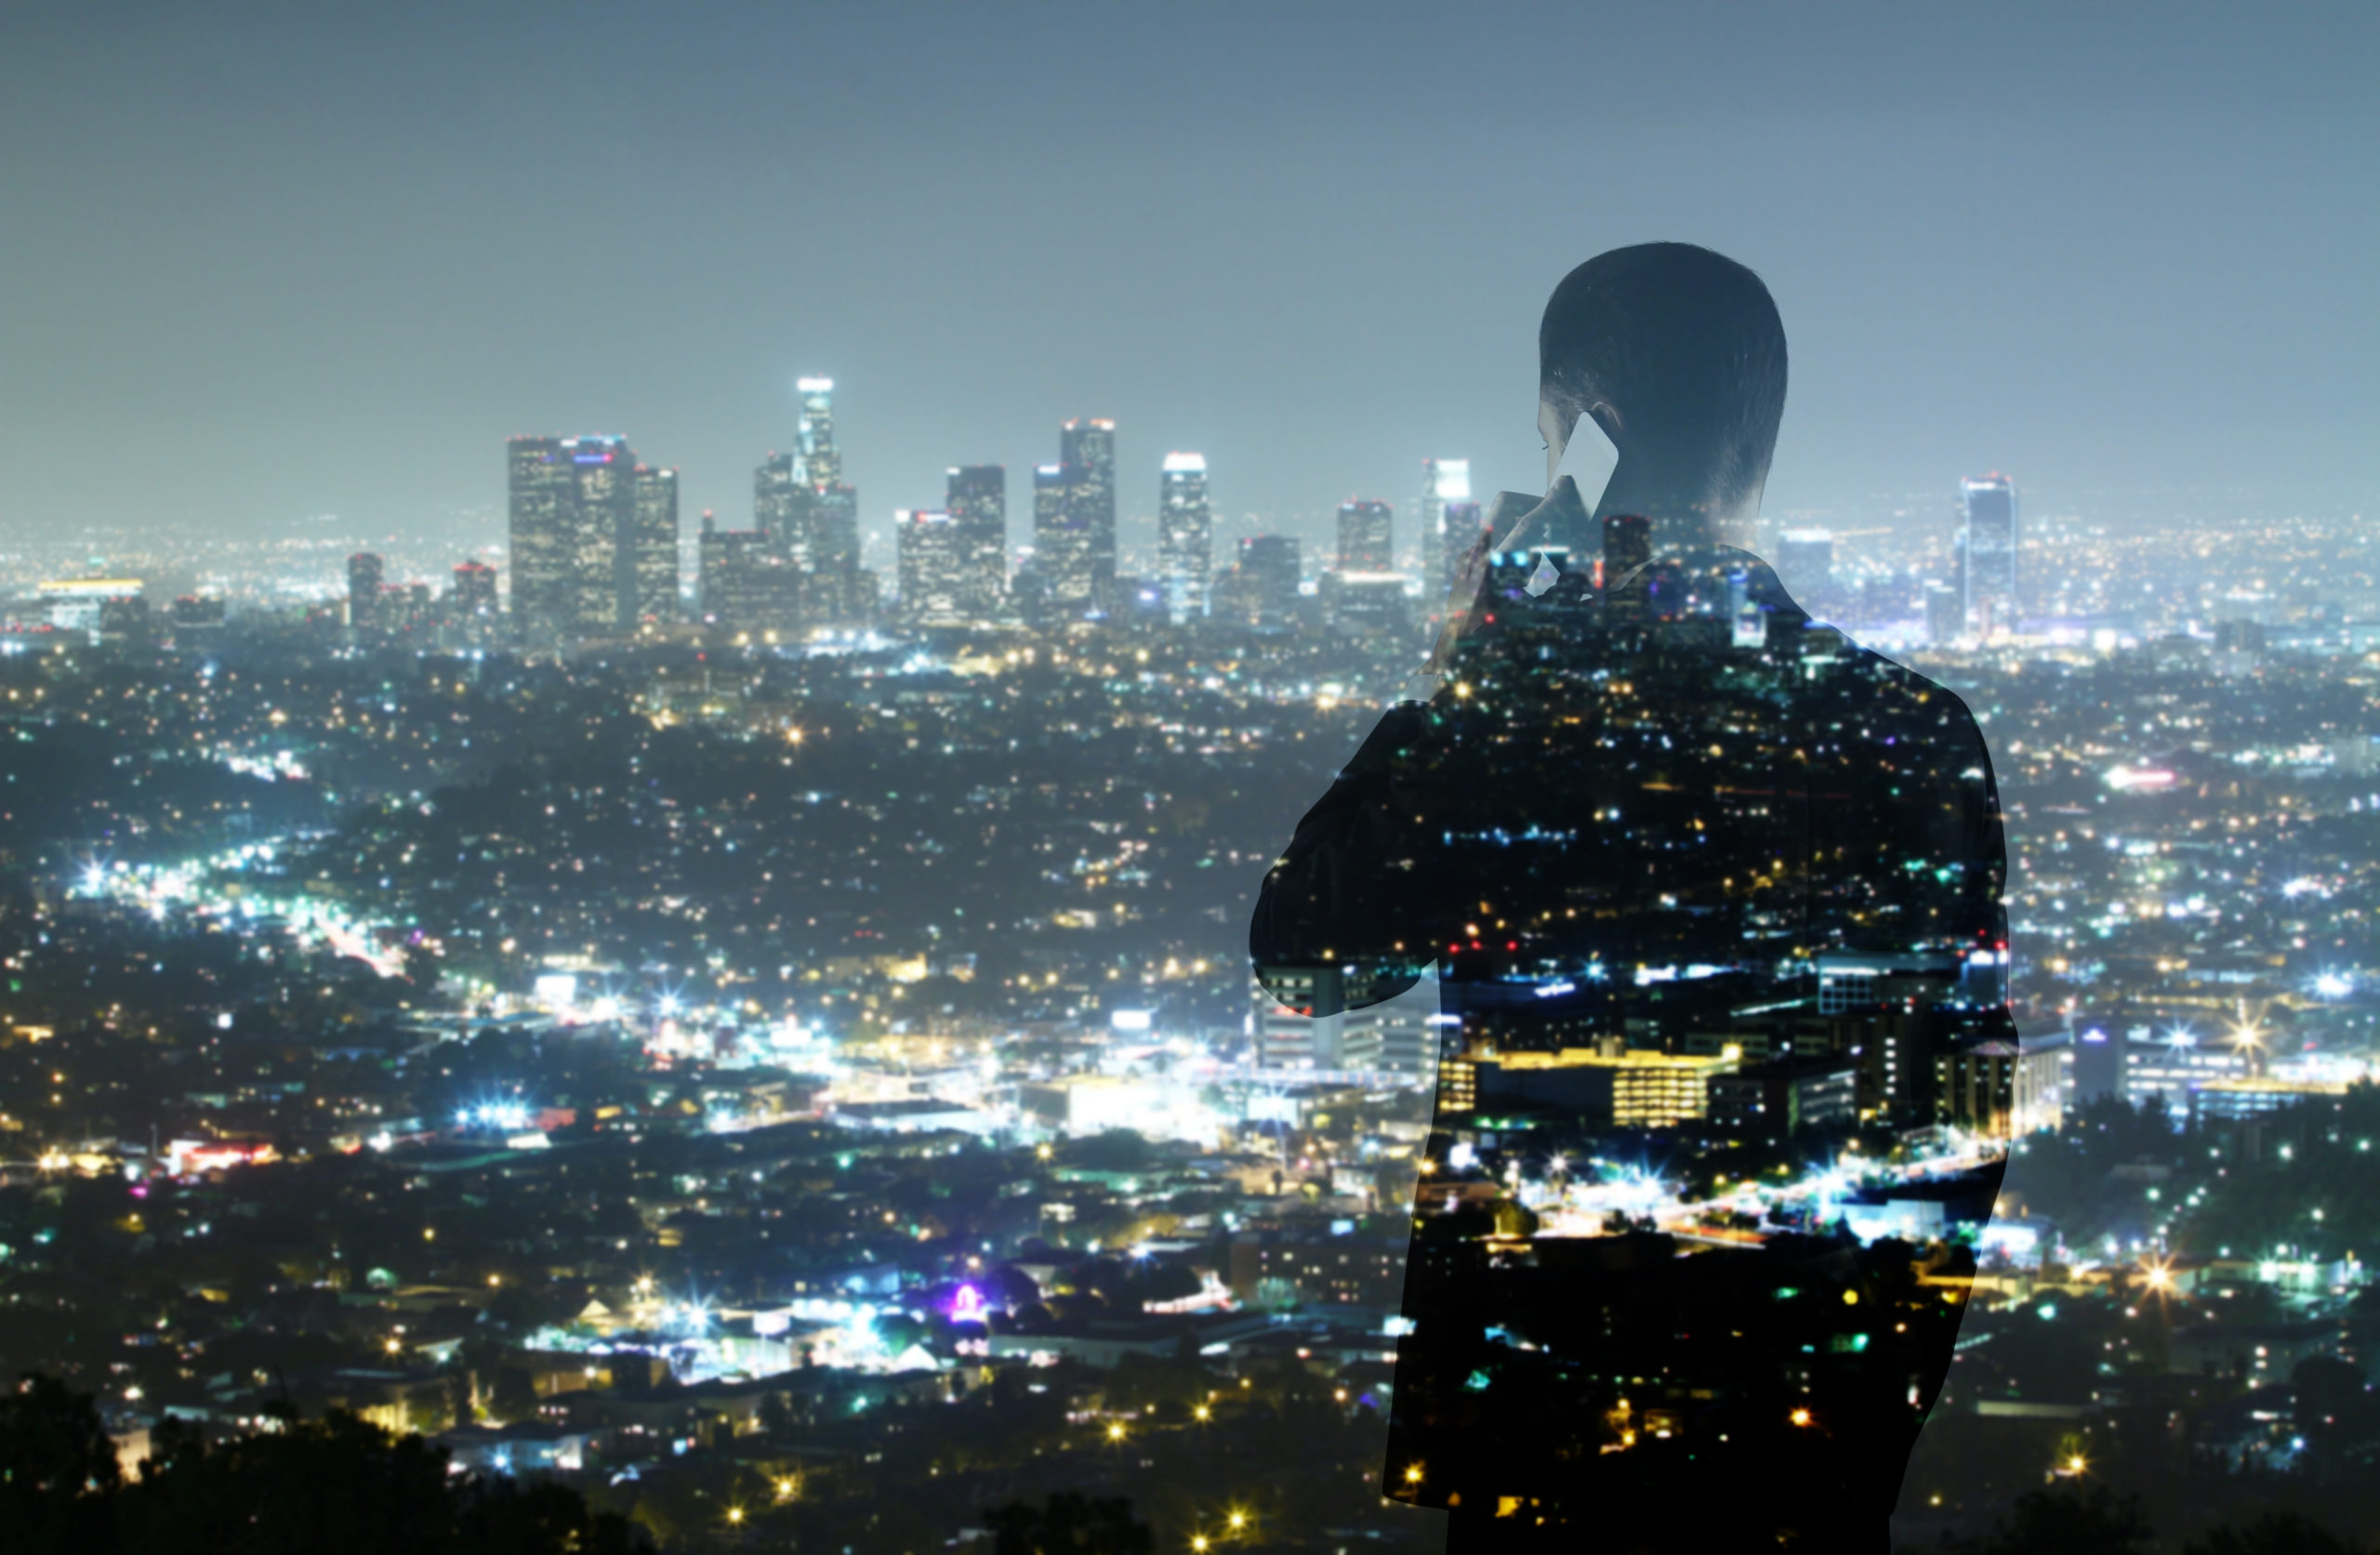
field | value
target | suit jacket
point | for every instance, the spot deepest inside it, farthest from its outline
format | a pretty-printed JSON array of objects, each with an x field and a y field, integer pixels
[{"x": 1629, "y": 814}]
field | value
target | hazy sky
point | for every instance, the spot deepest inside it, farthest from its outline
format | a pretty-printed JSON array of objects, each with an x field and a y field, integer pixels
[{"x": 257, "y": 263}]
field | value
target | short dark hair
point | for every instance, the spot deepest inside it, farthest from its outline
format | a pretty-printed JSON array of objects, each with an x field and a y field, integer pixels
[{"x": 1671, "y": 342}]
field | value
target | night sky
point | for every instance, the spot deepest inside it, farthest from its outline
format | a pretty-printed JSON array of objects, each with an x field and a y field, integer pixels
[{"x": 258, "y": 263}]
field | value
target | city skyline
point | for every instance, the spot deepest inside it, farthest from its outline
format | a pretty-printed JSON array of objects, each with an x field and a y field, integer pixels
[
  {"x": 228, "y": 327},
  {"x": 961, "y": 907}
]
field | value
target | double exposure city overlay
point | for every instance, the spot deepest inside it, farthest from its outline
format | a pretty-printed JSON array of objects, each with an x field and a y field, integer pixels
[
  {"x": 693, "y": 996},
  {"x": 659, "y": 1004}
]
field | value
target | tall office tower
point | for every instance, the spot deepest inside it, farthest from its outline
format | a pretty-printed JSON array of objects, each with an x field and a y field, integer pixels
[
  {"x": 648, "y": 564},
  {"x": 977, "y": 498},
  {"x": 473, "y": 603},
  {"x": 1082, "y": 572},
  {"x": 1945, "y": 614},
  {"x": 822, "y": 534},
  {"x": 1269, "y": 567},
  {"x": 1074, "y": 553},
  {"x": 822, "y": 463},
  {"x": 1460, "y": 522},
  {"x": 1804, "y": 558},
  {"x": 1627, "y": 545},
  {"x": 573, "y": 512},
  {"x": 834, "y": 548},
  {"x": 939, "y": 577},
  {"x": 779, "y": 506},
  {"x": 1366, "y": 537},
  {"x": 364, "y": 571},
  {"x": 1445, "y": 484},
  {"x": 603, "y": 524},
  {"x": 1185, "y": 535},
  {"x": 746, "y": 582},
  {"x": 1989, "y": 550},
  {"x": 543, "y": 510}
]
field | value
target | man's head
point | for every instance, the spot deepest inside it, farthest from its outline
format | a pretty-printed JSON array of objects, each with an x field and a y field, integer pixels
[{"x": 1678, "y": 354}]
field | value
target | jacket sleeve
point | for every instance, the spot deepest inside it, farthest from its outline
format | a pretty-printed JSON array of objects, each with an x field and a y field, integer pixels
[
  {"x": 1981, "y": 844},
  {"x": 1907, "y": 840},
  {"x": 1355, "y": 887}
]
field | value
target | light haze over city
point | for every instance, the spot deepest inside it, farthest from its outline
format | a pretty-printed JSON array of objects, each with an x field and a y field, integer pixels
[{"x": 275, "y": 262}]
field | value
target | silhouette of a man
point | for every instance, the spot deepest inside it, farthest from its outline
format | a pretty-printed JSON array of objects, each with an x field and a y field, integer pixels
[{"x": 1644, "y": 799}]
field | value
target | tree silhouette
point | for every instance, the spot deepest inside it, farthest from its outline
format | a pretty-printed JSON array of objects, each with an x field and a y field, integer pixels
[
  {"x": 335, "y": 1484},
  {"x": 1069, "y": 1524},
  {"x": 2064, "y": 1523},
  {"x": 2277, "y": 1533}
]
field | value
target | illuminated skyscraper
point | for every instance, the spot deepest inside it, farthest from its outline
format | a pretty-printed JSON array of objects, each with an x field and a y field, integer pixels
[
  {"x": 1987, "y": 550},
  {"x": 1366, "y": 537},
  {"x": 834, "y": 552},
  {"x": 1805, "y": 558},
  {"x": 1458, "y": 525},
  {"x": 977, "y": 498},
  {"x": 603, "y": 524},
  {"x": 1087, "y": 446},
  {"x": 1053, "y": 545},
  {"x": 1945, "y": 614},
  {"x": 364, "y": 571},
  {"x": 1445, "y": 485},
  {"x": 822, "y": 463},
  {"x": 473, "y": 603},
  {"x": 540, "y": 518},
  {"x": 1267, "y": 579},
  {"x": 1073, "y": 520},
  {"x": 1185, "y": 535},
  {"x": 938, "y": 577},
  {"x": 648, "y": 566},
  {"x": 573, "y": 511},
  {"x": 779, "y": 509},
  {"x": 1627, "y": 545},
  {"x": 746, "y": 584},
  {"x": 824, "y": 532}
]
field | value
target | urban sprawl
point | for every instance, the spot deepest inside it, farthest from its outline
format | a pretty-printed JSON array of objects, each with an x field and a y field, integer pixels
[{"x": 773, "y": 1047}]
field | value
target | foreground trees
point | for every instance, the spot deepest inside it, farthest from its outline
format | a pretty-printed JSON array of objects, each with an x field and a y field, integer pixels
[{"x": 309, "y": 1485}]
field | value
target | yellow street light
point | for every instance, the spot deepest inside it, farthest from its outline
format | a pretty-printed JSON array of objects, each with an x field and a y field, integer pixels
[{"x": 1238, "y": 1521}]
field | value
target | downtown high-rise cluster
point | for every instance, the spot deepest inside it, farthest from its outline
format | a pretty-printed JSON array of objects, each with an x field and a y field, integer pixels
[{"x": 595, "y": 549}]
